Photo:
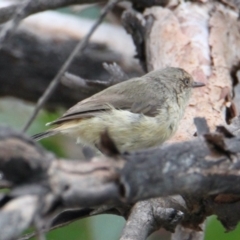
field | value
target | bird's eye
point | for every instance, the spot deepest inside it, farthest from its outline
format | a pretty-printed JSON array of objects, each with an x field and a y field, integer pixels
[{"x": 186, "y": 81}]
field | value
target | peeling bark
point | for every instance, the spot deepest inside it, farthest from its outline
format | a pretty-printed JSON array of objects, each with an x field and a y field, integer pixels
[{"x": 189, "y": 37}]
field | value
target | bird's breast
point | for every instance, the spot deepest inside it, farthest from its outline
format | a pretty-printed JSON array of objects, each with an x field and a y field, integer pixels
[{"x": 129, "y": 131}]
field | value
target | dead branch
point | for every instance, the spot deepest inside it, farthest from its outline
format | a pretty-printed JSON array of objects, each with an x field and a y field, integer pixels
[
  {"x": 146, "y": 217},
  {"x": 115, "y": 71},
  {"x": 135, "y": 24},
  {"x": 199, "y": 170}
]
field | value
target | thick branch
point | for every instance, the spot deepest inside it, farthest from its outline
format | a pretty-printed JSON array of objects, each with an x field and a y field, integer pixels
[
  {"x": 148, "y": 216},
  {"x": 200, "y": 169},
  {"x": 16, "y": 216},
  {"x": 188, "y": 167}
]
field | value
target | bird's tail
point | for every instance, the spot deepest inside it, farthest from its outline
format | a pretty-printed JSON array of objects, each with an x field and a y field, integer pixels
[{"x": 42, "y": 135}]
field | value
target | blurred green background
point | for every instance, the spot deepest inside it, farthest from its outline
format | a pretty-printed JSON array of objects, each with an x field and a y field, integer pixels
[{"x": 14, "y": 113}]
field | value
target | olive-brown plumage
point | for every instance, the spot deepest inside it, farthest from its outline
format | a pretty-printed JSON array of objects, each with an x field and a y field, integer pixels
[{"x": 138, "y": 113}]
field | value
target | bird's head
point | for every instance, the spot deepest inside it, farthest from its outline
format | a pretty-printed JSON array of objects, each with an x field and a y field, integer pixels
[{"x": 177, "y": 80}]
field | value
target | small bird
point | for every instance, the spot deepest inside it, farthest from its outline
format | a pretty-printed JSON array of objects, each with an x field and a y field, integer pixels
[{"x": 138, "y": 113}]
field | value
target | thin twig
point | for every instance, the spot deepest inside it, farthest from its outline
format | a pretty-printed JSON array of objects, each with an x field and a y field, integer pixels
[
  {"x": 10, "y": 27},
  {"x": 79, "y": 48},
  {"x": 116, "y": 72}
]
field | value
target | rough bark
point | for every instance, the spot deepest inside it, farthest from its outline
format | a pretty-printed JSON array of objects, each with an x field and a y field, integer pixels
[
  {"x": 199, "y": 170},
  {"x": 189, "y": 37},
  {"x": 197, "y": 29}
]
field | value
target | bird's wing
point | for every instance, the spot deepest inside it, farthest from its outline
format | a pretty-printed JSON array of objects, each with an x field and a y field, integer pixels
[{"x": 118, "y": 97}]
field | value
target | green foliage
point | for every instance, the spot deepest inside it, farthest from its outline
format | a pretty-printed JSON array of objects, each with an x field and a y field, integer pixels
[
  {"x": 75, "y": 231},
  {"x": 215, "y": 230},
  {"x": 91, "y": 12}
]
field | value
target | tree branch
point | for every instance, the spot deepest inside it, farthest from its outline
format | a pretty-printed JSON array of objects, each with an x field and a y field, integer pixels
[
  {"x": 201, "y": 171},
  {"x": 148, "y": 216},
  {"x": 190, "y": 158},
  {"x": 17, "y": 215}
]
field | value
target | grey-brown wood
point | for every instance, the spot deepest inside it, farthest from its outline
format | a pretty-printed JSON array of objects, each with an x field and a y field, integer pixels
[{"x": 198, "y": 170}]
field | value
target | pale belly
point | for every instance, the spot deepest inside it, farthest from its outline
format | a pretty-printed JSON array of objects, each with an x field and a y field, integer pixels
[{"x": 128, "y": 130}]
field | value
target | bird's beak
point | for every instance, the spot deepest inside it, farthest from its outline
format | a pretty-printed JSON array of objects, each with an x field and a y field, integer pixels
[{"x": 198, "y": 84}]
